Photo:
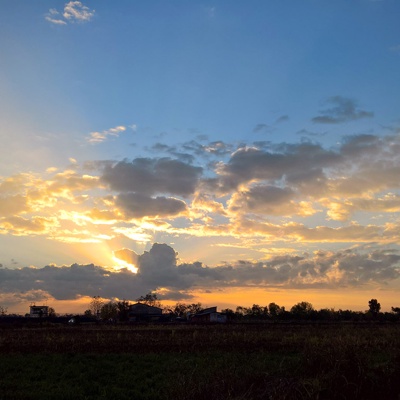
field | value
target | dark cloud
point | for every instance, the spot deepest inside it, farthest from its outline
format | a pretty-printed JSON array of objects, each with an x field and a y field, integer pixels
[
  {"x": 343, "y": 110},
  {"x": 150, "y": 176},
  {"x": 137, "y": 205},
  {"x": 215, "y": 148},
  {"x": 266, "y": 199},
  {"x": 361, "y": 145},
  {"x": 283, "y": 161},
  {"x": 162, "y": 147},
  {"x": 159, "y": 268}
]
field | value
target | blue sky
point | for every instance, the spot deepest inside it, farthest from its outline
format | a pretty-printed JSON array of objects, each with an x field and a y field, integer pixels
[{"x": 183, "y": 123}]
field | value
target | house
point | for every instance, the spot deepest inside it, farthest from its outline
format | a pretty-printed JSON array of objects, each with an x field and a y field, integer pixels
[
  {"x": 38, "y": 311},
  {"x": 209, "y": 315},
  {"x": 143, "y": 312}
]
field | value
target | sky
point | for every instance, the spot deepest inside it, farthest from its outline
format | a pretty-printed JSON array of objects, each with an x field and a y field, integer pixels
[{"x": 223, "y": 152}]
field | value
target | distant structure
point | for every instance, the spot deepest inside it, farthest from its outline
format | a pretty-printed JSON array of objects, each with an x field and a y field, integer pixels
[
  {"x": 38, "y": 311},
  {"x": 209, "y": 315},
  {"x": 140, "y": 312}
]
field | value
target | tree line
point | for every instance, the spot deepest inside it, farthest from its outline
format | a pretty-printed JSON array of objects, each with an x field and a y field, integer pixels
[
  {"x": 119, "y": 310},
  {"x": 100, "y": 309}
]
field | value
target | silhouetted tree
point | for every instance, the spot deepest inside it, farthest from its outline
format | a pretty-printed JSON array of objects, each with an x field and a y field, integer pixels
[
  {"x": 230, "y": 314},
  {"x": 123, "y": 310},
  {"x": 194, "y": 308},
  {"x": 3, "y": 310},
  {"x": 374, "y": 307},
  {"x": 95, "y": 306},
  {"x": 51, "y": 312},
  {"x": 240, "y": 312},
  {"x": 274, "y": 310},
  {"x": 179, "y": 310},
  {"x": 326, "y": 314},
  {"x": 303, "y": 309},
  {"x": 150, "y": 299},
  {"x": 256, "y": 312},
  {"x": 109, "y": 311}
]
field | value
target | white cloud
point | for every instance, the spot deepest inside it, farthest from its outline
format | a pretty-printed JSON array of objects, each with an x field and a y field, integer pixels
[
  {"x": 98, "y": 137},
  {"x": 52, "y": 16},
  {"x": 74, "y": 11}
]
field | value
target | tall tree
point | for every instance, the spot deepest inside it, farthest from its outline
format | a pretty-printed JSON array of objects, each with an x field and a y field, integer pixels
[
  {"x": 123, "y": 310},
  {"x": 374, "y": 307},
  {"x": 95, "y": 306}
]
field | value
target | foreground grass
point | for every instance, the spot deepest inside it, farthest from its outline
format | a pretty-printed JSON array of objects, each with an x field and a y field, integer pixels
[
  {"x": 147, "y": 376},
  {"x": 200, "y": 362}
]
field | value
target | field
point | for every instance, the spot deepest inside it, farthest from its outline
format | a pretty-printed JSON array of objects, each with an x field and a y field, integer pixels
[{"x": 233, "y": 361}]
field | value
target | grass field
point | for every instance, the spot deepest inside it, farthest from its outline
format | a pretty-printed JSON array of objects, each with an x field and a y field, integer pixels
[{"x": 238, "y": 361}]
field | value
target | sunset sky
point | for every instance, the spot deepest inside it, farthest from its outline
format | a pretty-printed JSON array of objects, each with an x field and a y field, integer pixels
[{"x": 222, "y": 152}]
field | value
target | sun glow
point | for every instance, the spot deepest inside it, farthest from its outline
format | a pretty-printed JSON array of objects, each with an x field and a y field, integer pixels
[{"x": 120, "y": 264}]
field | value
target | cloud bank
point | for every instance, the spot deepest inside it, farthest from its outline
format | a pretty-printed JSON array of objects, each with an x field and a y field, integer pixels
[{"x": 159, "y": 268}]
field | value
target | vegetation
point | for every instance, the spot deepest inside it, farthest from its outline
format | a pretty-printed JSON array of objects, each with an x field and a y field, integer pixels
[
  {"x": 229, "y": 361},
  {"x": 99, "y": 309},
  {"x": 263, "y": 352},
  {"x": 150, "y": 299}
]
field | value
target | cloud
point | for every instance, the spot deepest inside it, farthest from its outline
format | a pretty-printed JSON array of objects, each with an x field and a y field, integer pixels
[
  {"x": 343, "y": 210},
  {"x": 249, "y": 164},
  {"x": 74, "y": 11},
  {"x": 98, "y": 137},
  {"x": 159, "y": 268},
  {"x": 11, "y": 205},
  {"x": 265, "y": 194},
  {"x": 215, "y": 148},
  {"x": 137, "y": 205},
  {"x": 300, "y": 233},
  {"x": 19, "y": 226},
  {"x": 52, "y": 16},
  {"x": 127, "y": 255},
  {"x": 173, "y": 151},
  {"x": 269, "y": 200},
  {"x": 262, "y": 128},
  {"x": 343, "y": 110},
  {"x": 270, "y": 128},
  {"x": 150, "y": 176},
  {"x": 282, "y": 118}
]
